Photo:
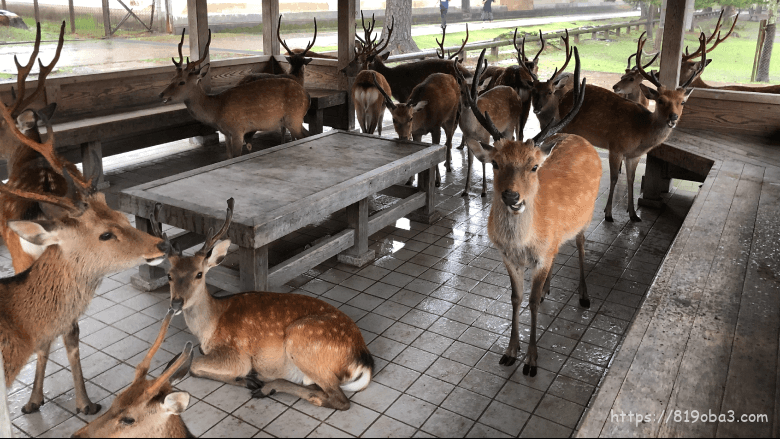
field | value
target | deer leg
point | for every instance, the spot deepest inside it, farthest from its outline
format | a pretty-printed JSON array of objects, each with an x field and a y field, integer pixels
[
  {"x": 516, "y": 280},
  {"x": 546, "y": 288},
  {"x": 381, "y": 121},
  {"x": 539, "y": 277},
  {"x": 284, "y": 136},
  {"x": 36, "y": 397},
  {"x": 584, "y": 299},
  {"x": 631, "y": 164},
  {"x": 469, "y": 161},
  {"x": 462, "y": 143},
  {"x": 83, "y": 403},
  {"x": 225, "y": 366},
  {"x": 361, "y": 121},
  {"x": 328, "y": 395},
  {"x": 484, "y": 181},
  {"x": 614, "y": 162}
]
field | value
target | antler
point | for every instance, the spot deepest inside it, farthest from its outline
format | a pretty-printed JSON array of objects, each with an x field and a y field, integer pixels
[
  {"x": 143, "y": 367},
  {"x": 173, "y": 368},
  {"x": 310, "y": 44},
  {"x": 192, "y": 66},
  {"x": 522, "y": 60},
  {"x": 568, "y": 55},
  {"x": 386, "y": 41},
  {"x": 462, "y": 46},
  {"x": 181, "y": 56},
  {"x": 541, "y": 38},
  {"x": 702, "y": 65},
  {"x": 441, "y": 44},
  {"x": 388, "y": 101},
  {"x": 279, "y": 37},
  {"x": 211, "y": 238},
  {"x": 483, "y": 119},
  {"x": 579, "y": 98},
  {"x": 652, "y": 77},
  {"x": 688, "y": 57},
  {"x": 366, "y": 31},
  {"x": 22, "y": 102},
  {"x": 23, "y": 71}
]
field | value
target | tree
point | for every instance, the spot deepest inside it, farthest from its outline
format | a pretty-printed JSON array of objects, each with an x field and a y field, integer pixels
[
  {"x": 762, "y": 75},
  {"x": 399, "y": 13}
]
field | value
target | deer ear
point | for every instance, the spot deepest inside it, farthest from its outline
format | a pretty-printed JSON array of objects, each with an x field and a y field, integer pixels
[
  {"x": 306, "y": 61},
  {"x": 175, "y": 403},
  {"x": 480, "y": 150},
  {"x": 419, "y": 106},
  {"x": 218, "y": 253},
  {"x": 385, "y": 56},
  {"x": 649, "y": 92},
  {"x": 48, "y": 111},
  {"x": 42, "y": 232}
]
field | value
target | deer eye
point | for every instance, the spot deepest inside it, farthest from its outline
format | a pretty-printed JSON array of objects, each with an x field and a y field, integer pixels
[
  {"x": 682, "y": 103},
  {"x": 127, "y": 421},
  {"x": 182, "y": 83},
  {"x": 534, "y": 168},
  {"x": 199, "y": 275},
  {"x": 170, "y": 278},
  {"x": 495, "y": 165},
  {"x": 106, "y": 236}
]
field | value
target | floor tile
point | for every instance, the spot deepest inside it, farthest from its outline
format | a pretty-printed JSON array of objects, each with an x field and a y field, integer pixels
[
  {"x": 354, "y": 421},
  {"x": 201, "y": 417},
  {"x": 292, "y": 423},
  {"x": 465, "y": 403},
  {"x": 376, "y": 397},
  {"x": 411, "y": 410},
  {"x": 559, "y": 410},
  {"x": 231, "y": 427},
  {"x": 389, "y": 427},
  {"x": 444, "y": 423},
  {"x": 540, "y": 427},
  {"x": 504, "y": 418},
  {"x": 430, "y": 389}
]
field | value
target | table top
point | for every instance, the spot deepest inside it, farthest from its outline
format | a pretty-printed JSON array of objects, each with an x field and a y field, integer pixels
[{"x": 281, "y": 189}]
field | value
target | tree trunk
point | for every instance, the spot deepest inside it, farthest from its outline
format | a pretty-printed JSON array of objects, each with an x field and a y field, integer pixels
[
  {"x": 649, "y": 16},
  {"x": 762, "y": 74},
  {"x": 399, "y": 13},
  {"x": 465, "y": 6}
]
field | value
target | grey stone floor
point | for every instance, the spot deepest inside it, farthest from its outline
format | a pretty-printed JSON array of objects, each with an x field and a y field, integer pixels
[{"x": 434, "y": 308}]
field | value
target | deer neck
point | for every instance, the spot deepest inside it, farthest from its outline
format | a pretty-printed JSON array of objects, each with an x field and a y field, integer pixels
[
  {"x": 508, "y": 231},
  {"x": 658, "y": 129},
  {"x": 202, "y": 317},
  {"x": 201, "y": 105}
]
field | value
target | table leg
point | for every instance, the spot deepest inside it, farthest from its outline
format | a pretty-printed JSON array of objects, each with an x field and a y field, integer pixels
[
  {"x": 253, "y": 268},
  {"x": 426, "y": 182},
  {"x": 316, "y": 122},
  {"x": 149, "y": 277},
  {"x": 357, "y": 218},
  {"x": 92, "y": 162},
  {"x": 654, "y": 183}
]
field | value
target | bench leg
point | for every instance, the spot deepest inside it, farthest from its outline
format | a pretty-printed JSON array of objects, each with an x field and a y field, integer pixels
[
  {"x": 427, "y": 214},
  {"x": 357, "y": 218},
  {"x": 210, "y": 140},
  {"x": 316, "y": 123},
  {"x": 92, "y": 163},
  {"x": 654, "y": 183},
  {"x": 253, "y": 268},
  {"x": 149, "y": 278}
]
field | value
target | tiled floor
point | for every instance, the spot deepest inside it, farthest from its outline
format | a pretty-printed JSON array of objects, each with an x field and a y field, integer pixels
[{"x": 434, "y": 308}]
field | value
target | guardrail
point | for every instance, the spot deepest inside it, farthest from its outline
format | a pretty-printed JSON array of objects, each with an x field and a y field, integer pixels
[{"x": 495, "y": 45}]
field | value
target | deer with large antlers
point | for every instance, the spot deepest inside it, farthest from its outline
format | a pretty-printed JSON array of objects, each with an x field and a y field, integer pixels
[
  {"x": 267, "y": 342},
  {"x": 433, "y": 104},
  {"x": 628, "y": 86},
  {"x": 148, "y": 408},
  {"x": 440, "y": 50},
  {"x": 540, "y": 201},
  {"x": 263, "y": 105},
  {"x": 82, "y": 241},
  {"x": 626, "y": 128}
]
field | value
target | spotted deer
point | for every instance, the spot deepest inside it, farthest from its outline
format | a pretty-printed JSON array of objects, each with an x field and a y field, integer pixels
[
  {"x": 628, "y": 86},
  {"x": 504, "y": 107},
  {"x": 148, "y": 407},
  {"x": 267, "y": 342},
  {"x": 80, "y": 243},
  {"x": 433, "y": 104},
  {"x": 263, "y": 105},
  {"x": 540, "y": 201},
  {"x": 369, "y": 103}
]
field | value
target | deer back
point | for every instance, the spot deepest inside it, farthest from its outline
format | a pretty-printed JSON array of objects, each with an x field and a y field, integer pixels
[
  {"x": 405, "y": 77},
  {"x": 502, "y": 104}
]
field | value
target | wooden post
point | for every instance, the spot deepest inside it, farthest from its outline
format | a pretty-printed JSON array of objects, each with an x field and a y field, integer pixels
[
  {"x": 198, "y": 21},
  {"x": 149, "y": 277},
  {"x": 5, "y": 8},
  {"x": 253, "y": 268},
  {"x": 346, "y": 48},
  {"x": 357, "y": 218},
  {"x": 270, "y": 22},
  {"x": 577, "y": 38},
  {"x": 169, "y": 27},
  {"x": 72, "y": 13},
  {"x": 674, "y": 31},
  {"x": 426, "y": 181},
  {"x": 37, "y": 11},
  {"x": 106, "y": 19},
  {"x": 5, "y": 415},
  {"x": 494, "y": 51},
  {"x": 92, "y": 162},
  {"x": 759, "y": 46}
]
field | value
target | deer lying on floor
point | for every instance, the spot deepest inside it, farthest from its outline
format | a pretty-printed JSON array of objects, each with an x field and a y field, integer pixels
[
  {"x": 85, "y": 242},
  {"x": 267, "y": 342},
  {"x": 540, "y": 201},
  {"x": 148, "y": 408},
  {"x": 263, "y": 105},
  {"x": 432, "y": 105}
]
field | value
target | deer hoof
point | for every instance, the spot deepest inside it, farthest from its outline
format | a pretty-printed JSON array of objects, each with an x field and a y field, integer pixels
[
  {"x": 636, "y": 219},
  {"x": 529, "y": 370},
  {"x": 31, "y": 407},
  {"x": 585, "y": 303},
  {"x": 252, "y": 383},
  {"x": 609, "y": 219},
  {"x": 464, "y": 194},
  {"x": 484, "y": 194},
  {"x": 506, "y": 360},
  {"x": 248, "y": 146},
  {"x": 90, "y": 409},
  {"x": 459, "y": 147}
]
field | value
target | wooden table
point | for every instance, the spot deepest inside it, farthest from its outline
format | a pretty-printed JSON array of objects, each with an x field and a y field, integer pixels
[{"x": 280, "y": 190}]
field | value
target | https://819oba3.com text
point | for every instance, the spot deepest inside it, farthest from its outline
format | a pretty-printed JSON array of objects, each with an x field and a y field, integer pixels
[{"x": 688, "y": 416}]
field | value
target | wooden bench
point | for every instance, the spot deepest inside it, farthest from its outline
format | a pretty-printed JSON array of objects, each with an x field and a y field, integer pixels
[
  {"x": 110, "y": 113},
  {"x": 284, "y": 188}
]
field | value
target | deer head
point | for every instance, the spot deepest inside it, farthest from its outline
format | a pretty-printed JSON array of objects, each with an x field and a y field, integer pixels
[
  {"x": 403, "y": 113},
  {"x": 367, "y": 48},
  {"x": 688, "y": 67},
  {"x": 630, "y": 81},
  {"x": 148, "y": 408},
  {"x": 440, "y": 54},
  {"x": 522, "y": 60},
  {"x": 297, "y": 58},
  {"x": 515, "y": 163},
  {"x": 187, "y": 276},
  {"x": 543, "y": 96},
  {"x": 187, "y": 76}
]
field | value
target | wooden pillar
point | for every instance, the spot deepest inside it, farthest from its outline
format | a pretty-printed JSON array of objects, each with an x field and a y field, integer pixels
[
  {"x": 149, "y": 277},
  {"x": 270, "y": 22},
  {"x": 106, "y": 19},
  {"x": 346, "y": 47},
  {"x": 5, "y": 8},
  {"x": 253, "y": 268},
  {"x": 426, "y": 182},
  {"x": 169, "y": 27},
  {"x": 37, "y": 11},
  {"x": 72, "y": 13},
  {"x": 357, "y": 218},
  {"x": 674, "y": 32},
  {"x": 198, "y": 28}
]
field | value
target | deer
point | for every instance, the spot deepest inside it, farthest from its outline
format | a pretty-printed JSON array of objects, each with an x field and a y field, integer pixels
[
  {"x": 626, "y": 128},
  {"x": 505, "y": 108},
  {"x": 369, "y": 104},
  {"x": 148, "y": 407},
  {"x": 440, "y": 50},
  {"x": 8, "y": 141},
  {"x": 628, "y": 86},
  {"x": 433, "y": 104},
  {"x": 263, "y": 105},
  {"x": 540, "y": 201},
  {"x": 266, "y": 342},
  {"x": 84, "y": 242}
]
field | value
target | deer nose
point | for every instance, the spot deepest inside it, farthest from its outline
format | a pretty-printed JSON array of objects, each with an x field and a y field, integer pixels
[
  {"x": 673, "y": 117},
  {"x": 177, "y": 305},
  {"x": 164, "y": 246},
  {"x": 510, "y": 198}
]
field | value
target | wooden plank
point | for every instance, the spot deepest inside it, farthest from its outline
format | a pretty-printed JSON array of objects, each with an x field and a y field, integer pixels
[
  {"x": 736, "y": 96},
  {"x": 225, "y": 278},
  {"x": 752, "y": 372},
  {"x": 346, "y": 37},
  {"x": 754, "y": 118},
  {"x": 92, "y": 162},
  {"x": 106, "y": 19},
  {"x": 399, "y": 191},
  {"x": 674, "y": 32},
  {"x": 270, "y": 24},
  {"x": 684, "y": 159},
  {"x": 357, "y": 220},
  {"x": 702, "y": 375},
  {"x": 391, "y": 214},
  {"x": 286, "y": 271}
]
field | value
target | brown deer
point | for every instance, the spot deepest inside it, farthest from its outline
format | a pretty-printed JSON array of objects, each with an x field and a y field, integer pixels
[
  {"x": 540, "y": 201},
  {"x": 8, "y": 141},
  {"x": 369, "y": 103},
  {"x": 440, "y": 50},
  {"x": 148, "y": 408},
  {"x": 267, "y": 342},
  {"x": 84, "y": 243},
  {"x": 626, "y": 128},
  {"x": 628, "y": 86},
  {"x": 263, "y": 105},
  {"x": 504, "y": 107},
  {"x": 433, "y": 104}
]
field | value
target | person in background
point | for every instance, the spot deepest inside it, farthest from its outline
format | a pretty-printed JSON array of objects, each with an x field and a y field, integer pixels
[
  {"x": 443, "y": 6},
  {"x": 487, "y": 10}
]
